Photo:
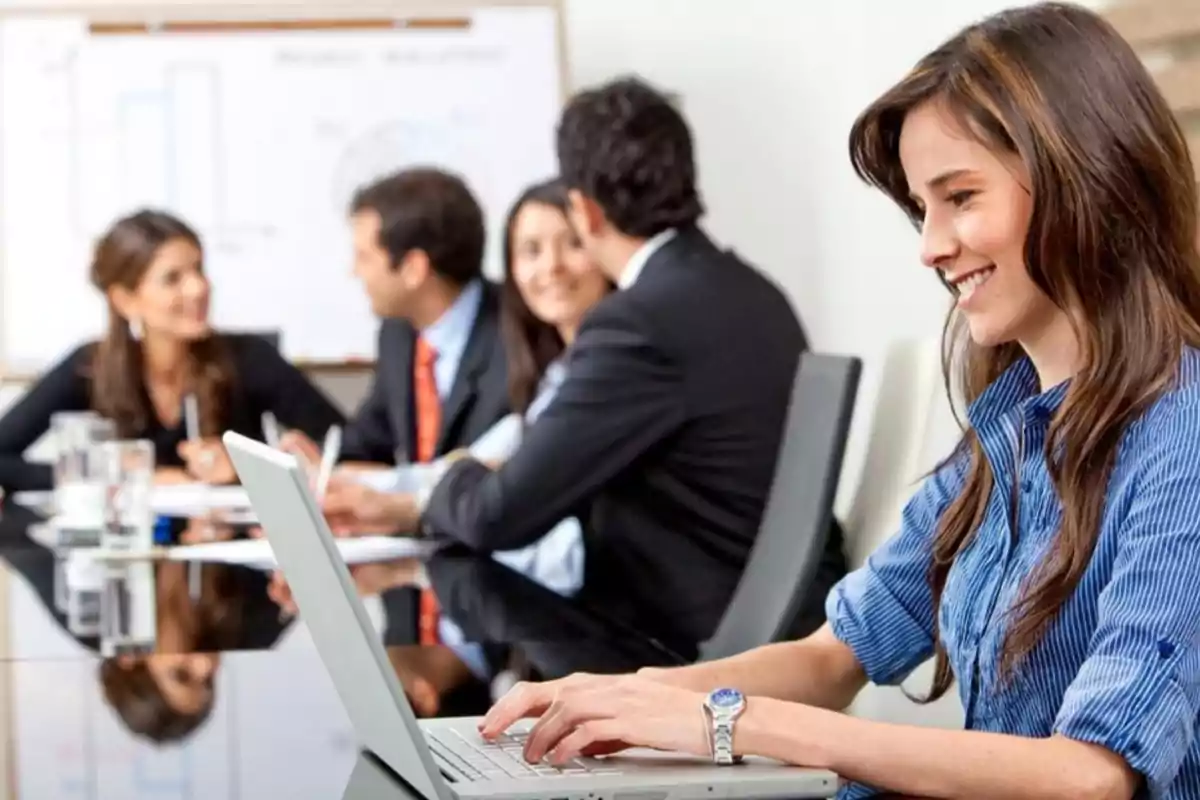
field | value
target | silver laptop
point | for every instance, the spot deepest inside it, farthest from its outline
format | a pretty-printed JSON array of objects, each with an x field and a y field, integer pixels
[{"x": 444, "y": 759}]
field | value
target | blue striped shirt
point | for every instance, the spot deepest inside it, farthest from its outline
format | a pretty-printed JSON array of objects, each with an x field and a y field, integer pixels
[{"x": 1120, "y": 666}]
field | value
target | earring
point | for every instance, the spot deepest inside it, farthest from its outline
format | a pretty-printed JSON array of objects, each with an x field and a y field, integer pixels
[{"x": 135, "y": 328}]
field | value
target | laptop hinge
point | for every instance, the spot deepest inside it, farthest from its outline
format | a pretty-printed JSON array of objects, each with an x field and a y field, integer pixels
[{"x": 391, "y": 773}]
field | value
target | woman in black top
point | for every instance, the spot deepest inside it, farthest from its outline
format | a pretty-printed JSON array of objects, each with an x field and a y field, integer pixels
[{"x": 159, "y": 348}]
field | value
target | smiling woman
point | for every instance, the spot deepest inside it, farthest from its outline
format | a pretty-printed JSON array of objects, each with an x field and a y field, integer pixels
[
  {"x": 550, "y": 284},
  {"x": 159, "y": 356},
  {"x": 150, "y": 266},
  {"x": 1050, "y": 563}
]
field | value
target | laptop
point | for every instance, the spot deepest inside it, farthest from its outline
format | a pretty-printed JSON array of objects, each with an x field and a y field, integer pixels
[{"x": 445, "y": 759}]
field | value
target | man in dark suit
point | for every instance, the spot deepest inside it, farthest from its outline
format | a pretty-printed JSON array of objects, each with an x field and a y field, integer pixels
[
  {"x": 418, "y": 250},
  {"x": 665, "y": 433},
  {"x": 441, "y": 377}
]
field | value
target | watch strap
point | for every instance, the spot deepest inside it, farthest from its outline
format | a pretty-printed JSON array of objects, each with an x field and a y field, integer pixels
[{"x": 720, "y": 737}]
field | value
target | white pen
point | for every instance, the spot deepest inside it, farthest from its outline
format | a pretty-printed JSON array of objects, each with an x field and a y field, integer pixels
[
  {"x": 191, "y": 417},
  {"x": 270, "y": 428},
  {"x": 329, "y": 457}
]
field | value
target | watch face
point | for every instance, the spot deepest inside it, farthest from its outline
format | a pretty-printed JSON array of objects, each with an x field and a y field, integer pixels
[{"x": 726, "y": 698}]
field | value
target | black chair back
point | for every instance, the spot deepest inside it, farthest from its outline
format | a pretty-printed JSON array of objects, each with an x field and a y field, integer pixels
[{"x": 799, "y": 512}]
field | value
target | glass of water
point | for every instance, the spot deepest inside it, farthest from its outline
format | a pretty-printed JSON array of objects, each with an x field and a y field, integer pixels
[
  {"x": 78, "y": 478},
  {"x": 128, "y": 469}
]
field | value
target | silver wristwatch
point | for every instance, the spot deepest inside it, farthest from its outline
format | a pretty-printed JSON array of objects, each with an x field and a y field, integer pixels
[{"x": 723, "y": 707}]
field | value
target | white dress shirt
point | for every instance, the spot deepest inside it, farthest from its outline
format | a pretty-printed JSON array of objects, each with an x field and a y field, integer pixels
[{"x": 637, "y": 262}]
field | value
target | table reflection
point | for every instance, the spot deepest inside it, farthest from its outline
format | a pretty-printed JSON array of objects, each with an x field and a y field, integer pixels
[
  {"x": 159, "y": 626},
  {"x": 148, "y": 677}
]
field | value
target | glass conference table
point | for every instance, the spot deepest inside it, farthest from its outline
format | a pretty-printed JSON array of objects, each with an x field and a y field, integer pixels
[{"x": 180, "y": 681}]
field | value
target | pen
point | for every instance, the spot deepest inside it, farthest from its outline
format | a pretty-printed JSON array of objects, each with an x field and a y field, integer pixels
[
  {"x": 270, "y": 428},
  {"x": 191, "y": 417},
  {"x": 329, "y": 457}
]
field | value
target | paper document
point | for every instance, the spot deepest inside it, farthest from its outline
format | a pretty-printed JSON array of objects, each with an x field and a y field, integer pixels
[
  {"x": 170, "y": 500},
  {"x": 257, "y": 552},
  {"x": 196, "y": 499},
  {"x": 404, "y": 479},
  {"x": 37, "y": 500}
]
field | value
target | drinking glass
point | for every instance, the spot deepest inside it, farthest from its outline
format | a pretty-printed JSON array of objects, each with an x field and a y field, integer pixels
[
  {"x": 128, "y": 470},
  {"x": 78, "y": 477}
]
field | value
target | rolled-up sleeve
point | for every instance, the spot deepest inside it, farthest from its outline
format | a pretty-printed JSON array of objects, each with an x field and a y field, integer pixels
[
  {"x": 884, "y": 610},
  {"x": 1138, "y": 692}
]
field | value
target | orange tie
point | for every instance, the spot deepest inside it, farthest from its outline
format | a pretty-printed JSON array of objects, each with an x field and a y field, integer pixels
[{"x": 428, "y": 408}]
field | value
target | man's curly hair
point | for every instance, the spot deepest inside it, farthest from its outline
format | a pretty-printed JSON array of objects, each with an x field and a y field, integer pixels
[{"x": 627, "y": 148}]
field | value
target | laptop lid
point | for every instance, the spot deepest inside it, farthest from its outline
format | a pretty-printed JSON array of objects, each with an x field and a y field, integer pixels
[{"x": 329, "y": 606}]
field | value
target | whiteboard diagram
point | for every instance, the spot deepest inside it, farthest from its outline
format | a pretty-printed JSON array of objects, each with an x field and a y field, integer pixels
[
  {"x": 155, "y": 127},
  {"x": 257, "y": 140},
  {"x": 397, "y": 144}
]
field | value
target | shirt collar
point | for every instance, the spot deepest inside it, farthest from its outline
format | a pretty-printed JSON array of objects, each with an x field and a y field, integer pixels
[
  {"x": 1017, "y": 387},
  {"x": 448, "y": 335},
  {"x": 636, "y": 263}
]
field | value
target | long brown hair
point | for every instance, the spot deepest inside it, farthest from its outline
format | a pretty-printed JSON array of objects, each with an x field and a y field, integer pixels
[
  {"x": 530, "y": 343},
  {"x": 1112, "y": 239},
  {"x": 122, "y": 257}
]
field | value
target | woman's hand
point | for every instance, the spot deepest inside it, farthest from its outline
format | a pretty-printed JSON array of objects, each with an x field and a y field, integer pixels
[
  {"x": 207, "y": 461},
  {"x": 299, "y": 444},
  {"x": 601, "y": 714},
  {"x": 164, "y": 476}
]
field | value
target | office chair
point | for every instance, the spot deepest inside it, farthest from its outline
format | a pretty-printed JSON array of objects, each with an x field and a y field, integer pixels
[
  {"x": 796, "y": 521},
  {"x": 899, "y": 449},
  {"x": 911, "y": 429}
]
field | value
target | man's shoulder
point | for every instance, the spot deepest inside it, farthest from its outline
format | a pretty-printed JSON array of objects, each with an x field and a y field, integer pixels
[
  {"x": 692, "y": 260},
  {"x": 697, "y": 278},
  {"x": 622, "y": 308},
  {"x": 394, "y": 329}
]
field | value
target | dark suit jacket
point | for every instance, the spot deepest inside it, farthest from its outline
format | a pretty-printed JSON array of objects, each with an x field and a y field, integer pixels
[
  {"x": 383, "y": 428},
  {"x": 663, "y": 437},
  {"x": 384, "y": 431}
]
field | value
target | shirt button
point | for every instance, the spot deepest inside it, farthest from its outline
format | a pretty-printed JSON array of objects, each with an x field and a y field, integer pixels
[
  {"x": 1165, "y": 649},
  {"x": 1026, "y": 486}
]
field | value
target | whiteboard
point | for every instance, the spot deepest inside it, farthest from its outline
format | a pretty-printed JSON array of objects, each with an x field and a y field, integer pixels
[{"x": 258, "y": 138}]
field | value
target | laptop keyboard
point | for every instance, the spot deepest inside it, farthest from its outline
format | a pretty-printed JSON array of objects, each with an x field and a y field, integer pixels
[{"x": 482, "y": 760}]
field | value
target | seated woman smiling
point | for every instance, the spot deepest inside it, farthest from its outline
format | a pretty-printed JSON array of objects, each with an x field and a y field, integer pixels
[
  {"x": 550, "y": 285},
  {"x": 159, "y": 348},
  {"x": 1050, "y": 565}
]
